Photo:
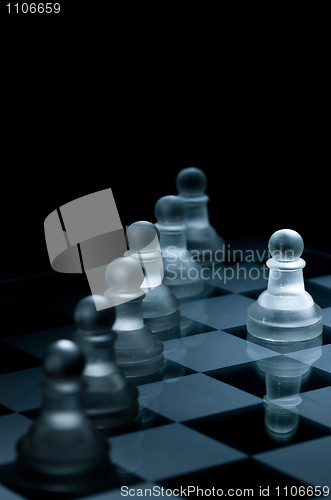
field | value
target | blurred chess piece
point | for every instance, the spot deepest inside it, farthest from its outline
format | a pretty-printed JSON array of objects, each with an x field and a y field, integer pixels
[
  {"x": 62, "y": 452},
  {"x": 182, "y": 273},
  {"x": 202, "y": 238},
  {"x": 160, "y": 306},
  {"x": 138, "y": 351},
  {"x": 109, "y": 398},
  {"x": 285, "y": 311}
]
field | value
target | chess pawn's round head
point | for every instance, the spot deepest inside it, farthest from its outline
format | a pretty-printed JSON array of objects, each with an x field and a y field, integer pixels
[
  {"x": 125, "y": 276},
  {"x": 170, "y": 210},
  {"x": 93, "y": 313},
  {"x": 64, "y": 359},
  {"x": 191, "y": 182},
  {"x": 142, "y": 236},
  {"x": 286, "y": 245}
]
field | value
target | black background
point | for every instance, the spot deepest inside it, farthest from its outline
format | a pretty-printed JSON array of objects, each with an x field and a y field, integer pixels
[
  {"x": 255, "y": 186},
  {"x": 87, "y": 107}
]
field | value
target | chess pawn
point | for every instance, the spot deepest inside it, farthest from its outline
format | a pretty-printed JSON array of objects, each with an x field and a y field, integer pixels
[
  {"x": 182, "y": 273},
  {"x": 160, "y": 306},
  {"x": 138, "y": 351},
  {"x": 202, "y": 238},
  {"x": 285, "y": 311},
  {"x": 62, "y": 452},
  {"x": 109, "y": 399}
]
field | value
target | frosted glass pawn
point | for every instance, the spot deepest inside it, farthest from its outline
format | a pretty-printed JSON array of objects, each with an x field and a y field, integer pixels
[
  {"x": 160, "y": 306},
  {"x": 285, "y": 311},
  {"x": 202, "y": 238},
  {"x": 138, "y": 351},
  {"x": 63, "y": 452},
  {"x": 109, "y": 399},
  {"x": 182, "y": 273}
]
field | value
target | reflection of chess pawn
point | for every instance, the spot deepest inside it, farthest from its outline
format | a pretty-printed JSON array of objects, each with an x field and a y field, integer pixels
[
  {"x": 284, "y": 376},
  {"x": 160, "y": 306},
  {"x": 283, "y": 385},
  {"x": 62, "y": 452},
  {"x": 181, "y": 273},
  {"x": 138, "y": 351},
  {"x": 281, "y": 423},
  {"x": 285, "y": 311},
  {"x": 109, "y": 398},
  {"x": 202, "y": 238}
]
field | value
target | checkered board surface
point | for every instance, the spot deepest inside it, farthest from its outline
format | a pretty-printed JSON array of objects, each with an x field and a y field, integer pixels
[{"x": 202, "y": 421}]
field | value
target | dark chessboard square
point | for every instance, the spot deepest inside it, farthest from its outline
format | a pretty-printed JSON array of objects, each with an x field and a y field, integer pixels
[
  {"x": 31, "y": 414},
  {"x": 4, "y": 410},
  {"x": 11, "y": 478},
  {"x": 250, "y": 378},
  {"x": 213, "y": 291},
  {"x": 146, "y": 419},
  {"x": 171, "y": 369},
  {"x": 240, "y": 476},
  {"x": 245, "y": 376},
  {"x": 238, "y": 331},
  {"x": 253, "y": 294},
  {"x": 326, "y": 335},
  {"x": 315, "y": 379},
  {"x": 28, "y": 317},
  {"x": 245, "y": 429},
  {"x": 190, "y": 327},
  {"x": 13, "y": 359}
]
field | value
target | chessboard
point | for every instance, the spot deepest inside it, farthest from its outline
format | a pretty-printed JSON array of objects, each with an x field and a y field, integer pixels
[{"x": 202, "y": 428}]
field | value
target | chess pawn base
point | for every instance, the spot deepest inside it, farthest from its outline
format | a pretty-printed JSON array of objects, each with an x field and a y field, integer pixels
[
  {"x": 135, "y": 360},
  {"x": 138, "y": 351},
  {"x": 161, "y": 312},
  {"x": 109, "y": 399},
  {"x": 183, "y": 275},
  {"x": 186, "y": 290},
  {"x": 284, "y": 324},
  {"x": 64, "y": 461},
  {"x": 62, "y": 479},
  {"x": 120, "y": 407}
]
